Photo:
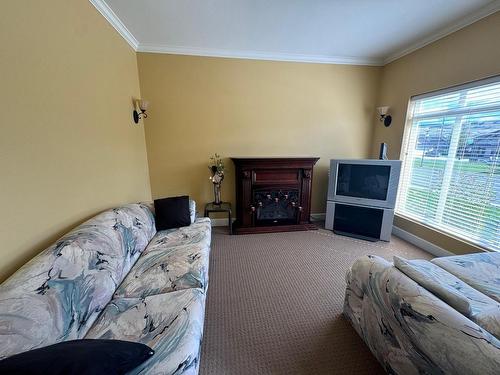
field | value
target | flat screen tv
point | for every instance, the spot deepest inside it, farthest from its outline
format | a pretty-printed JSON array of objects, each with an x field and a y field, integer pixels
[{"x": 366, "y": 182}]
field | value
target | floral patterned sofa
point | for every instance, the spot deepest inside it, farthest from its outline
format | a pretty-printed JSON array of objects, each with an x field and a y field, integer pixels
[
  {"x": 446, "y": 323},
  {"x": 114, "y": 277}
]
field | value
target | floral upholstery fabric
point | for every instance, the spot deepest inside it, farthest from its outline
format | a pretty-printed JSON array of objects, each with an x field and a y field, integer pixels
[
  {"x": 174, "y": 260},
  {"x": 59, "y": 293},
  {"x": 66, "y": 291},
  {"x": 475, "y": 305},
  {"x": 410, "y": 330},
  {"x": 170, "y": 323},
  {"x": 437, "y": 281},
  {"x": 481, "y": 271}
]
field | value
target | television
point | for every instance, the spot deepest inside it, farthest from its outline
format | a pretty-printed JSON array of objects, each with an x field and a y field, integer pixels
[{"x": 365, "y": 182}]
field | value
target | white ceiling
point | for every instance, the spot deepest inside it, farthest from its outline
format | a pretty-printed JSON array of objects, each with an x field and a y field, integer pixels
[{"x": 371, "y": 32}]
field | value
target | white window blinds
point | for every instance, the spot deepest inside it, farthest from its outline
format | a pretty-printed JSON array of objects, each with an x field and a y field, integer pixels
[{"x": 451, "y": 155}]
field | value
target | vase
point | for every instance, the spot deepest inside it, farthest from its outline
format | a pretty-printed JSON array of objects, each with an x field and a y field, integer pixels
[{"x": 217, "y": 199}]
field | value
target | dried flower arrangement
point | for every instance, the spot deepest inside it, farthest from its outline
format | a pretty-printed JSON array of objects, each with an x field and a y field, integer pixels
[{"x": 216, "y": 167}]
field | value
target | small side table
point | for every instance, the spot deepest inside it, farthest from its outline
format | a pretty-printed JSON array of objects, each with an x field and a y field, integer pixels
[{"x": 223, "y": 207}]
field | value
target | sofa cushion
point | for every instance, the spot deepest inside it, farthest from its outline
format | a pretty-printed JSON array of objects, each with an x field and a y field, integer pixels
[
  {"x": 197, "y": 232},
  {"x": 171, "y": 324},
  {"x": 488, "y": 317},
  {"x": 166, "y": 265},
  {"x": 475, "y": 305},
  {"x": 59, "y": 293},
  {"x": 172, "y": 212},
  {"x": 162, "y": 271},
  {"x": 79, "y": 357},
  {"x": 437, "y": 281},
  {"x": 481, "y": 271}
]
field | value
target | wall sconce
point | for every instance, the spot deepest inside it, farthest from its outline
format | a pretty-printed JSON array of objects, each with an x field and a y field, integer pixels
[
  {"x": 141, "y": 107},
  {"x": 387, "y": 119}
]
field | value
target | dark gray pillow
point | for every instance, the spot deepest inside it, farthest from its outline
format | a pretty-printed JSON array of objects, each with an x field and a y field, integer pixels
[
  {"x": 83, "y": 357},
  {"x": 172, "y": 212}
]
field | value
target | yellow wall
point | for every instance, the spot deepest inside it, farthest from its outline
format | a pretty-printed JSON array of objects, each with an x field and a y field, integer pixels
[
  {"x": 469, "y": 54},
  {"x": 68, "y": 146},
  {"x": 202, "y": 105},
  {"x": 69, "y": 149}
]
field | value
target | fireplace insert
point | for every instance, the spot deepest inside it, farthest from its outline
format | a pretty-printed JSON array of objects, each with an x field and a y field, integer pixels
[{"x": 276, "y": 206}]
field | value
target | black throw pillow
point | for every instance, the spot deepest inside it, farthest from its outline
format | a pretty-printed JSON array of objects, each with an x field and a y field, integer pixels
[
  {"x": 82, "y": 357},
  {"x": 172, "y": 212}
]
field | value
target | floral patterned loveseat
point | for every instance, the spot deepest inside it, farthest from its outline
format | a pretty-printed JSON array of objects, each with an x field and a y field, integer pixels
[
  {"x": 114, "y": 277},
  {"x": 421, "y": 317}
]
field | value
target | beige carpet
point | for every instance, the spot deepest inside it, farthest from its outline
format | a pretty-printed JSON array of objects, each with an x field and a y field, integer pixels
[{"x": 275, "y": 302}]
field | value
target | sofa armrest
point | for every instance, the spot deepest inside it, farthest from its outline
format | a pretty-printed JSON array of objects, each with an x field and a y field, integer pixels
[{"x": 410, "y": 330}]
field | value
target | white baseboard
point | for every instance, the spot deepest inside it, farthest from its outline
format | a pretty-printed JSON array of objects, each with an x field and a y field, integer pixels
[
  {"x": 396, "y": 231},
  {"x": 220, "y": 222},
  {"x": 420, "y": 242},
  {"x": 223, "y": 222},
  {"x": 407, "y": 236},
  {"x": 318, "y": 217}
]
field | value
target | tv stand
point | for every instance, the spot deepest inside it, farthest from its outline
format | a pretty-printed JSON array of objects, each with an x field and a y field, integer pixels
[
  {"x": 361, "y": 197},
  {"x": 364, "y": 222}
]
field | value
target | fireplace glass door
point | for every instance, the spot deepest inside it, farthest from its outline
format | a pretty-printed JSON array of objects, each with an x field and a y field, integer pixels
[{"x": 276, "y": 207}]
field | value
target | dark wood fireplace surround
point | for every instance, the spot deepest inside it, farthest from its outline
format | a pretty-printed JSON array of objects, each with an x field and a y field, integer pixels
[{"x": 273, "y": 194}]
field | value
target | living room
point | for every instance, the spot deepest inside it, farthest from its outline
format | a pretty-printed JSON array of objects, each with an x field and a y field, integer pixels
[{"x": 116, "y": 236}]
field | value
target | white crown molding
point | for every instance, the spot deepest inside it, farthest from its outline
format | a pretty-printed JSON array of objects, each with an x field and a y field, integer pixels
[
  {"x": 253, "y": 55},
  {"x": 460, "y": 24},
  {"x": 113, "y": 19}
]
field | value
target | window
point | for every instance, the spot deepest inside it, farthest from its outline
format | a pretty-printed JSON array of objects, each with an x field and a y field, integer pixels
[{"x": 451, "y": 162}]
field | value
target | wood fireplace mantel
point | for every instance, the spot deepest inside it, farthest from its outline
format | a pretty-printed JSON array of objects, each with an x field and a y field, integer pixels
[{"x": 273, "y": 194}]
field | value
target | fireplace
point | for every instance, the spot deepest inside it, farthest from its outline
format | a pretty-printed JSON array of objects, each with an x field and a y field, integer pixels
[
  {"x": 273, "y": 194},
  {"x": 276, "y": 206}
]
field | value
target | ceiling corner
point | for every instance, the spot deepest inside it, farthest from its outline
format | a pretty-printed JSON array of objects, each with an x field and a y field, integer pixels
[
  {"x": 113, "y": 19},
  {"x": 484, "y": 12}
]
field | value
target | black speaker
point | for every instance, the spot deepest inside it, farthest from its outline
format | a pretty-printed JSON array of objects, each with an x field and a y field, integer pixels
[{"x": 383, "y": 151}]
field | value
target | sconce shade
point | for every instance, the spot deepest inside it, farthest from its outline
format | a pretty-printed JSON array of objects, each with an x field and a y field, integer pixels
[
  {"x": 139, "y": 112},
  {"x": 143, "y": 105},
  {"x": 382, "y": 111}
]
